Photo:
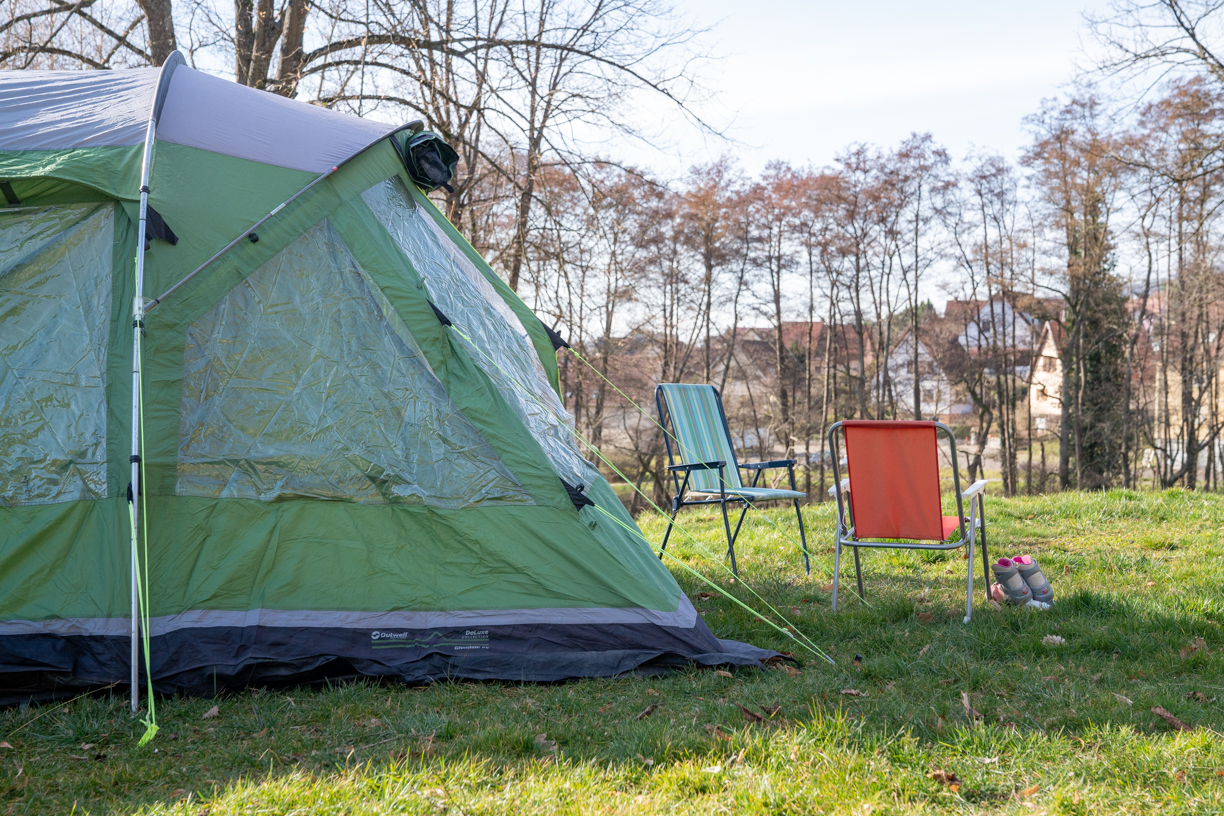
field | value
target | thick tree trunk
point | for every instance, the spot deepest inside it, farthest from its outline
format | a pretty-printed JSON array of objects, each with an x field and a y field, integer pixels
[
  {"x": 290, "y": 71},
  {"x": 160, "y": 22},
  {"x": 1064, "y": 418}
]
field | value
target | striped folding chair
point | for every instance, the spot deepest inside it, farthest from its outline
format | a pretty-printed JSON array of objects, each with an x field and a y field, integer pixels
[
  {"x": 701, "y": 439},
  {"x": 891, "y": 496}
]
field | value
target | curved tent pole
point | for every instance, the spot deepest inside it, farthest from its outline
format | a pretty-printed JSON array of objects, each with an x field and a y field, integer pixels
[{"x": 163, "y": 86}]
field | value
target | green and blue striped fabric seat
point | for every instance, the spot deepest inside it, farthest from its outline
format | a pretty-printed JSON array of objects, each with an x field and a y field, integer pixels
[{"x": 701, "y": 436}]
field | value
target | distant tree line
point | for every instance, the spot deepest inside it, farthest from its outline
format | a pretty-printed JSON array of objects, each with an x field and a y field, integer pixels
[{"x": 803, "y": 293}]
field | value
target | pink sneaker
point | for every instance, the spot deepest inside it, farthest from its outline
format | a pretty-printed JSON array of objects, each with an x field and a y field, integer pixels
[
  {"x": 1037, "y": 583},
  {"x": 1014, "y": 587}
]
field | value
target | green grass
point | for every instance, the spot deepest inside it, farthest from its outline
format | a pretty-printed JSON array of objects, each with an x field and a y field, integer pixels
[{"x": 1063, "y": 729}]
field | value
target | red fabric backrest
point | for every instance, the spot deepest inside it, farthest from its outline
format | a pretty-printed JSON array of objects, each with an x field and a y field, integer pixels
[{"x": 894, "y": 479}]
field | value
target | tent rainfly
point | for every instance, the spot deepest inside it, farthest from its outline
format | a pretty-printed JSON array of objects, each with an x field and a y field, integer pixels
[{"x": 234, "y": 315}]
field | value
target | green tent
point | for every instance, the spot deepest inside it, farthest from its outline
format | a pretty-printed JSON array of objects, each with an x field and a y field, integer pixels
[{"x": 355, "y": 459}]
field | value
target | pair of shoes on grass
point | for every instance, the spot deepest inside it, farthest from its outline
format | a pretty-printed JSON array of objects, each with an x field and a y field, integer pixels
[{"x": 1021, "y": 583}]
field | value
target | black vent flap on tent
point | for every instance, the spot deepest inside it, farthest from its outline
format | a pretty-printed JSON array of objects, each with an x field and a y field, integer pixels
[
  {"x": 156, "y": 227},
  {"x": 430, "y": 161}
]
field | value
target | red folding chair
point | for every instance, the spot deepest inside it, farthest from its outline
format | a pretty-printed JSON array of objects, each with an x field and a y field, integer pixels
[{"x": 891, "y": 496}]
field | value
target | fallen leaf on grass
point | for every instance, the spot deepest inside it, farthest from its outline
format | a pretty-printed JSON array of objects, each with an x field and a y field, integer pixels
[
  {"x": 645, "y": 761},
  {"x": 605, "y": 709},
  {"x": 705, "y": 595},
  {"x": 722, "y": 673},
  {"x": 770, "y": 711},
  {"x": 1122, "y": 699},
  {"x": 74, "y": 756},
  {"x": 212, "y": 712},
  {"x": 543, "y": 743},
  {"x": 652, "y": 692},
  {"x": 1054, "y": 640},
  {"x": 425, "y": 749},
  {"x": 750, "y": 715},
  {"x": 926, "y": 617},
  {"x": 1150, "y": 584},
  {"x": 945, "y": 778},
  {"x": 853, "y": 693},
  {"x": 970, "y": 712},
  {"x": 1199, "y": 696},
  {"x": 1197, "y": 645},
  {"x": 1180, "y": 776},
  {"x": 827, "y": 588},
  {"x": 85, "y": 746},
  {"x": 790, "y": 670},
  {"x": 5, "y": 745},
  {"x": 712, "y": 769},
  {"x": 717, "y": 732},
  {"x": 1177, "y": 724},
  {"x": 650, "y": 709},
  {"x": 924, "y": 650},
  {"x": 1027, "y": 792},
  {"x": 178, "y": 791},
  {"x": 890, "y": 686},
  {"x": 796, "y": 611}
]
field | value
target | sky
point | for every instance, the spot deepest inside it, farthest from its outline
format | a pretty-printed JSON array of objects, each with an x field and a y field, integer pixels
[{"x": 801, "y": 81}]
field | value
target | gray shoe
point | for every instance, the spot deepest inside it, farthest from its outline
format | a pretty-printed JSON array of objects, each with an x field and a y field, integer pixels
[
  {"x": 1037, "y": 583},
  {"x": 1016, "y": 589}
]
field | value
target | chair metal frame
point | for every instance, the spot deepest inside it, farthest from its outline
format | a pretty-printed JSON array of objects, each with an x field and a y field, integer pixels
[
  {"x": 845, "y": 522},
  {"x": 687, "y": 468}
]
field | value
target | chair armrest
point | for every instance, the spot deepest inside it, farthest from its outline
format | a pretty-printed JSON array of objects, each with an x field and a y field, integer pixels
[
  {"x": 777, "y": 463},
  {"x": 697, "y": 466},
  {"x": 845, "y": 488},
  {"x": 974, "y": 488}
]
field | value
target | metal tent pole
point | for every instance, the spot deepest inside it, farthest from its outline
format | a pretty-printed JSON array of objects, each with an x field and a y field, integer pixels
[
  {"x": 138, "y": 310},
  {"x": 137, "y": 325}
]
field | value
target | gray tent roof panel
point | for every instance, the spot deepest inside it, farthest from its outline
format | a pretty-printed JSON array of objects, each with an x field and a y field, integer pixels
[
  {"x": 215, "y": 114},
  {"x": 63, "y": 110}
]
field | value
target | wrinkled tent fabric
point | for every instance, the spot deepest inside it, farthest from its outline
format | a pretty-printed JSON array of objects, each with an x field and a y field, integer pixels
[{"x": 336, "y": 483}]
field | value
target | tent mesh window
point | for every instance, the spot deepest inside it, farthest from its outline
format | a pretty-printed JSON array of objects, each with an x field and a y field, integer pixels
[
  {"x": 302, "y": 381},
  {"x": 506, "y": 353},
  {"x": 55, "y": 304}
]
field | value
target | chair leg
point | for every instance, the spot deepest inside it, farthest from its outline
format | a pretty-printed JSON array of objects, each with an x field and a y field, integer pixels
[
  {"x": 836, "y": 567},
  {"x": 807, "y": 565},
  {"x": 735, "y": 535},
  {"x": 858, "y": 573},
  {"x": 670, "y": 522},
  {"x": 730, "y": 541},
  {"x": 985, "y": 557},
  {"x": 969, "y": 582}
]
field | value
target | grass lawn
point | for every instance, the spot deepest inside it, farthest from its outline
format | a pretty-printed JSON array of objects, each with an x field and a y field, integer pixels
[{"x": 1062, "y": 728}]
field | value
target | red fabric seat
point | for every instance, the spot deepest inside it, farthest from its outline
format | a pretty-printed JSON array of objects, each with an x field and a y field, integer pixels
[
  {"x": 894, "y": 480},
  {"x": 950, "y": 525}
]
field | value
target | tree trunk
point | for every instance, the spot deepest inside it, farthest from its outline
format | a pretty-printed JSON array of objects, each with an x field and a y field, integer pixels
[
  {"x": 160, "y": 24},
  {"x": 290, "y": 71}
]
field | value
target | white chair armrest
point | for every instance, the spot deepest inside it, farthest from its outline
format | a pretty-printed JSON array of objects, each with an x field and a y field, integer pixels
[
  {"x": 974, "y": 488},
  {"x": 845, "y": 487}
]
